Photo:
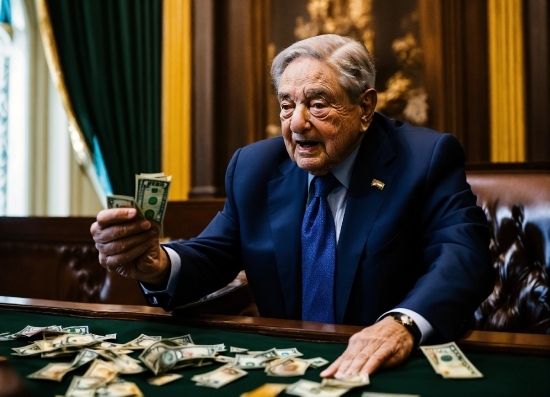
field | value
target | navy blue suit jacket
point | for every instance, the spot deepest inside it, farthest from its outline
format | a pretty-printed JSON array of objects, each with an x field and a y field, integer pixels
[{"x": 419, "y": 243}]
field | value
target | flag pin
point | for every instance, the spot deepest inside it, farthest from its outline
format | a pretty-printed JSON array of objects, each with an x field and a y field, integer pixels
[{"x": 378, "y": 184}]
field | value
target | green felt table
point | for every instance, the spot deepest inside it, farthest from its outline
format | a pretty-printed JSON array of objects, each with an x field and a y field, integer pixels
[{"x": 510, "y": 369}]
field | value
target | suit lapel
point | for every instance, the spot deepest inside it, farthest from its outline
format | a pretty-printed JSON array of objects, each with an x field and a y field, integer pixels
[
  {"x": 362, "y": 208},
  {"x": 287, "y": 200}
]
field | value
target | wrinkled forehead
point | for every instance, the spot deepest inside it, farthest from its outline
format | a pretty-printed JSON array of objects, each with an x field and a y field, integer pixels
[{"x": 308, "y": 76}]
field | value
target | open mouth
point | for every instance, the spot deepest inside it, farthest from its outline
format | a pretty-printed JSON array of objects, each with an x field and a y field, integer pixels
[{"x": 307, "y": 144}]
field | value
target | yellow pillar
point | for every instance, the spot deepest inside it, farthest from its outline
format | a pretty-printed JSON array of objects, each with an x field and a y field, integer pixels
[
  {"x": 506, "y": 80},
  {"x": 176, "y": 96}
]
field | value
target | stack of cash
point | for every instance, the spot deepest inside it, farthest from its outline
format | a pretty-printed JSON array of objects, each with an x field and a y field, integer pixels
[{"x": 150, "y": 199}]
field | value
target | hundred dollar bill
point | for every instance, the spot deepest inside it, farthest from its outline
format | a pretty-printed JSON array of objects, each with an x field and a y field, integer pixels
[
  {"x": 219, "y": 377},
  {"x": 449, "y": 361},
  {"x": 152, "y": 197}
]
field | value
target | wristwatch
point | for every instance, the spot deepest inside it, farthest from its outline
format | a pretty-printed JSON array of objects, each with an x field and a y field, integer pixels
[{"x": 409, "y": 324}]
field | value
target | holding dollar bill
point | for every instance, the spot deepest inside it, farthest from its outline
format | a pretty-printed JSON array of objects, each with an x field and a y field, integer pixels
[{"x": 151, "y": 197}]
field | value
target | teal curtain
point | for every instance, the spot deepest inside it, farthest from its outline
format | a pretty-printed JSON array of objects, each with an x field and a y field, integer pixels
[
  {"x": 110, "y": 56},
  {"x": 5, "y": 12}
]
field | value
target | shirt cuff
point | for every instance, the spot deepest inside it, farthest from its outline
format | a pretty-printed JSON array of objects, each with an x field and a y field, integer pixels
[
  {"x": 175, "y": 267},
  {"x": 426, "y": 329}
]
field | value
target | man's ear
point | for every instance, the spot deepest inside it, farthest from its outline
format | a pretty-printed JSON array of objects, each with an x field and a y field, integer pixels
[{"x": 368, "y": 101}]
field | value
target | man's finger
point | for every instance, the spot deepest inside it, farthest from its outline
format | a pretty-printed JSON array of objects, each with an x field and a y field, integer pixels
[
  {"x": 373, "y": 362},
  {"x": 115, "y": 215},
  {"x": 122, "y": 245},
  {"x": 331, "y": 370}
]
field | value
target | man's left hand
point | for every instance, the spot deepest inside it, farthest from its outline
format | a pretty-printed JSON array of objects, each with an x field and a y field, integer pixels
[{"x": 384, "y": 344}]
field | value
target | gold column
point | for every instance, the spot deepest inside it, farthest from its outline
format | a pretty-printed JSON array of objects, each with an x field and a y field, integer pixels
[
  {"x": 176, "y": 95},
  {"x": 506, "y": 80}
]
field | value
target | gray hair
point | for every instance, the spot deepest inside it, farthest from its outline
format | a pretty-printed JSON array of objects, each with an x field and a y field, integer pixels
[{"x": 348, "y": 57}]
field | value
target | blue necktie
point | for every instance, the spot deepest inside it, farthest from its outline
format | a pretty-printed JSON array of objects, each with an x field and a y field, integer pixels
[{"x": 319, "y": 254}]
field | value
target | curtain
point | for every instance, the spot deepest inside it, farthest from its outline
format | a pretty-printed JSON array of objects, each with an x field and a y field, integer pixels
[{"x": 110, "y": 56}]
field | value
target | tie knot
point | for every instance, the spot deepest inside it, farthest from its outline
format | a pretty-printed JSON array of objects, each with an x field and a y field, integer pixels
[{"x": 325, "y": 184}]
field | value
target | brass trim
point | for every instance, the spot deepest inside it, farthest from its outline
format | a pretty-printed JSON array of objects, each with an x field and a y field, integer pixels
[
  {"x": 506, "y": 81},
  {"x": 176, "y": 95},
  {"x": 8, "y": 28}
]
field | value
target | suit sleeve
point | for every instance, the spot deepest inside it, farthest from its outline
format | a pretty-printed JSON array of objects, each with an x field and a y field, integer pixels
[
  {"x": 455, "y": 242},
  {"x": 213, "y": 259}
]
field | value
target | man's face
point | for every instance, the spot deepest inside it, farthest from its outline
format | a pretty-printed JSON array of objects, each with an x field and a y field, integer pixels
[{"x": 320, "y": 125}]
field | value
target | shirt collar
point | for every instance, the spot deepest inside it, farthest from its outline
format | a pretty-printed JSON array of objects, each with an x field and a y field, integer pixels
[{"x": 342, "y": 171}]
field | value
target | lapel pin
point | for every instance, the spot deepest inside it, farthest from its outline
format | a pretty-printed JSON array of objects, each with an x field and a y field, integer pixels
[{"x": 378, "y": 184}]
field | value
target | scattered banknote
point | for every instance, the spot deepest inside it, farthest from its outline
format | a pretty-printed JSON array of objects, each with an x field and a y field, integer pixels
[
  {"x": 119, "y": 389},
  {"x": 289, "y": 366},
  {"x": 141, "y": 342},
  {"x": 109, "y": 360},
  {"x": 163, "y": 355},
  {"x": 56, "y": 371},
  {"x": 84, "y": 386},
  {"x": 448, "y": 361},
  {"x": 28, "y": 332},
  {"x": 219, "y": 377},
  {"x": 307, "y": 388},
  {"x": 163, "y": 379},
  {"x": 245, "y": 361},
  {"x": 233, "y": 349},
  {"x": 317, "y": 362},
  {"x": 348, "y": 381}
]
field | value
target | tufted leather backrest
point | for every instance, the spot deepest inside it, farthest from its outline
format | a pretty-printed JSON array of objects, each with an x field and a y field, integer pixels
[{"x": 517, "y": 205}]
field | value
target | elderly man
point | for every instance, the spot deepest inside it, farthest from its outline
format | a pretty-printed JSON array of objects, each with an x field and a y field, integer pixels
[{"x": 348, "y": 218}]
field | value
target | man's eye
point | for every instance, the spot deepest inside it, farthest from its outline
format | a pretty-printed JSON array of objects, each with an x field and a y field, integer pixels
[
  {"x": 318, "y": 105},
  {"x": 286, "y": 108}
]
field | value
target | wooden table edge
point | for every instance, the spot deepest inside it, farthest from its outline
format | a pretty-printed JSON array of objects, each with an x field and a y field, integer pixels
[{"x": 490, "y": 341}]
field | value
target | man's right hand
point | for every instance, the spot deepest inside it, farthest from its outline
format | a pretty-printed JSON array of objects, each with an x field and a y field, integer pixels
[{"x": 130, "y": 246}]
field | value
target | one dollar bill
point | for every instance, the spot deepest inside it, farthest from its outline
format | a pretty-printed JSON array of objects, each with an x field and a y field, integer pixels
[{"x": 449, "y": 361}]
